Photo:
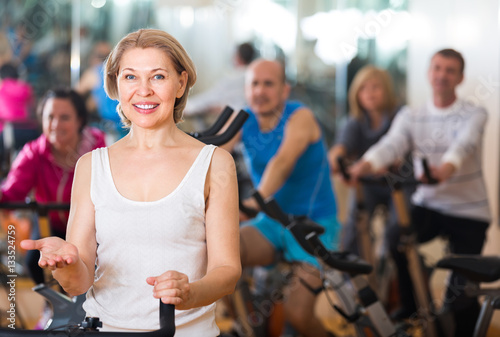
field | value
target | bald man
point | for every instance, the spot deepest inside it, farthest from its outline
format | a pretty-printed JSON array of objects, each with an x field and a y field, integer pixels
[{"x": 286, "y": 156}]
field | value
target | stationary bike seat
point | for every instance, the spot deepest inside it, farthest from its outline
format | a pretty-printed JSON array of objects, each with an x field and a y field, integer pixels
[{"x": 476, "y": 268}]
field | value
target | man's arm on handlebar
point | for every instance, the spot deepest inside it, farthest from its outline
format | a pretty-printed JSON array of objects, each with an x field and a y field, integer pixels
[
  {"x": 359, "y": 169},
  {"x": 300, "y": 131},
  {"x": 442, "y": 172}
]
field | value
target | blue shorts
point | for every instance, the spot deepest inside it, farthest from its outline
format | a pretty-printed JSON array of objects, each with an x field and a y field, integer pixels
[{"x": 283, "y": 241}]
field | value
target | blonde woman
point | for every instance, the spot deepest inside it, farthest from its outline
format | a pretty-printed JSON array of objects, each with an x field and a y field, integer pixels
[
  {"x": 155, "y": 215},
  {"x": 373, "y": 105}
]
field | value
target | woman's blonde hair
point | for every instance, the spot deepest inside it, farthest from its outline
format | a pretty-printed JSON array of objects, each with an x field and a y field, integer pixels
[
  {"x": 367, "y": 73},
  {"x": 149, "y": 38}
]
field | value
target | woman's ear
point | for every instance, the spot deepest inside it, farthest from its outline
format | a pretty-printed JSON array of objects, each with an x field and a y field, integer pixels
[{"x": 183, "y": 79}]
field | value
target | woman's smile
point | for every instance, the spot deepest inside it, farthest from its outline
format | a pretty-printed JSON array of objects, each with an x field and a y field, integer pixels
[
  {"x": 146, "y": 108},
  {"x": 148, "y": 87}
]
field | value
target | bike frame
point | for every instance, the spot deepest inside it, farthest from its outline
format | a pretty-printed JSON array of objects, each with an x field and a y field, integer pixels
[
  {"x": 408, "y": 245},
  {"x": 307, "y": 234}
]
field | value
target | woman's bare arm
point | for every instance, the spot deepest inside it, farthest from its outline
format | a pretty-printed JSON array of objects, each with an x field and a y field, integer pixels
[
  {"x": 72, "y": 261},
  {"x": 222, "y": 235}
]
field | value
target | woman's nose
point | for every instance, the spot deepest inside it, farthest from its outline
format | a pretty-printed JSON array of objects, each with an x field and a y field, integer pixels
[
  {"x": 144, "y": 88},
  {"x": 54, "y": 123}
]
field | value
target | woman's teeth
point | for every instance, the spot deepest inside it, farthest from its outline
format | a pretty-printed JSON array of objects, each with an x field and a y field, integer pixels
[{"x": 146, "y": 106}]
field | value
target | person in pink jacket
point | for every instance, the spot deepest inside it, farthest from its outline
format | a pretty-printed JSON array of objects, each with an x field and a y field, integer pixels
[
  {"x": 45, "y": 167},
  {"x": 16, "y": 96}
]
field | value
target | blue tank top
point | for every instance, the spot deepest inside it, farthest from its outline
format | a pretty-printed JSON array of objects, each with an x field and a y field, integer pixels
[{"x": 308, "y": 190}]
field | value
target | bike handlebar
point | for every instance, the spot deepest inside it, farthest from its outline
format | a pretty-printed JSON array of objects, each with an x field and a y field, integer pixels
[
  {"x": 383, "y": 181},
  {"x": 427, "y": 173},
  {"x": 307, "y": 232},
  {"x": 218, "y": 124},
  {"x": 167, "y": 329},
  {"x": 35, "y": 206},
  {"x": 210, "y": 136},
  {"x": 230, "y": 132}
]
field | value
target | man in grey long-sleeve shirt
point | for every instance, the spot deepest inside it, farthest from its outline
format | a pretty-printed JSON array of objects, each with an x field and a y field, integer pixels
[{"x": 448, "y": 132}]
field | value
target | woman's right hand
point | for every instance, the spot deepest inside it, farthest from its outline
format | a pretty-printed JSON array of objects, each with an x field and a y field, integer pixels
[
  {"x": 333, "y": 154},
  {"x": 54, "y": 252}
]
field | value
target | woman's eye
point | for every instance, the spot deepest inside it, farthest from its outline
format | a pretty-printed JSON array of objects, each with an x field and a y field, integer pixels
[
  {"x": 129, "y": 77},
  {"x": 158, "y": 77}
]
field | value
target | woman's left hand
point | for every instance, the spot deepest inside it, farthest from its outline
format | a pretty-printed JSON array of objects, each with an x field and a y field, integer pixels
[{"x": 172, "y": 287}]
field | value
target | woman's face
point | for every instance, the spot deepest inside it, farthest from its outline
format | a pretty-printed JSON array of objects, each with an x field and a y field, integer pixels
[
  {"x": 371, "y": 95},
  {"x": 60, "y": 123},
  {"x": 148, "y": 86}
]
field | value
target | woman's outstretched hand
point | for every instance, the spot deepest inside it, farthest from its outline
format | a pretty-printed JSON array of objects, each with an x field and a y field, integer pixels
[
  {"x": 171, "y": 287},
  {"x": 54, "y": 252}
]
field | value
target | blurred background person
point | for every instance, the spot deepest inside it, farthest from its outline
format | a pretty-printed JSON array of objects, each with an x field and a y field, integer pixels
[
  {"x": 5, "y": 49},
  {"x": 372, "y": 107},
  {"x": 91, "y": 86},
  {"x": 230, "y": 90},
  {"x": 45, "y": 166},
  {"x": 16, "y": 105},
  {"x": 18, "y": 36},
  {"x": 16, "y": 96}
]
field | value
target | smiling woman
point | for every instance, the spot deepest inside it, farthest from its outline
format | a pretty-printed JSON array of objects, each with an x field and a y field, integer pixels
[
  {"x": 173, "y": 60},
  {"x": 157, "y": 198},
  {"x": 144, "y": 73},
  {"x": 46, "y": 166}
]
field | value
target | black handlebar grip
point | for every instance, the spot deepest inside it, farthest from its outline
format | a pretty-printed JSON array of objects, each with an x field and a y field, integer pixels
[
  {"x": 38, "y": 208},
  {"x": 272, "y": 209},
  {"x": 427, "y": 172},
  {"x": 256, "y": 195},
  {"x": 343, "y": 168},
  {"x": 167, "y": 317},
  {"x": 250, "y": 212},
  {"x": 231, "y": 131},
  {"x": 277, "y": 213},
  {"x": 219, "y": 123}
]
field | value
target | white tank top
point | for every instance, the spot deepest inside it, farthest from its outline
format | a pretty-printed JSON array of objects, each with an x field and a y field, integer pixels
[{"x": 137, "y": 239}]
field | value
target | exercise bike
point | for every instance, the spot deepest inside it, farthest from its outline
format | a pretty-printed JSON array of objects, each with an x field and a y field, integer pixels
[
  {"x": 341, "y": 272},
  {"x": 478, "y": 269},
  {"x": 425, "y": 316}
]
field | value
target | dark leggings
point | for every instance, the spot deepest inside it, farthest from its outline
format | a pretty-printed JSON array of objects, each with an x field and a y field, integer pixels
[{"x": 465, "y": 236}]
